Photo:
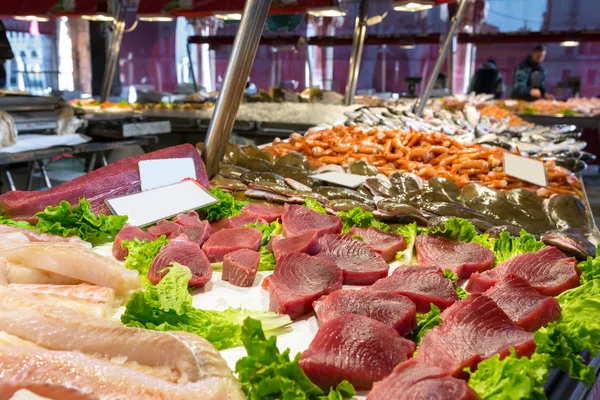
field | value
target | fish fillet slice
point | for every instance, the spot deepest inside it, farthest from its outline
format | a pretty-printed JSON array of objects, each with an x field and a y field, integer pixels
[
  {"x": 13, "y": 273},
  {"x": 89, "y": 293},
  {"x": 25, "y": 394},
  {"x": 36, "y": 236}
]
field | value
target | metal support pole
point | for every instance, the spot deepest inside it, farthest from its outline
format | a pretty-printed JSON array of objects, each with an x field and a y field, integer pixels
[
  {"x": 236, "y": 76},
  {"x": 360, "y": 30},
  {"x": 189, "y": 53},
  {"x": 383, "y": 68},
  {"x": 451, "y": 51},
  {"x": 113, "y": 52},
  {"x": 11, "y": 182},
  {"x": 442, "y": 56},
  {"x": 309, "y": 67}
]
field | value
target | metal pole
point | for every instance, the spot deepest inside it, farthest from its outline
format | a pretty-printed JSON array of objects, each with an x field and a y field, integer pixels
[
  {"x": 113, "y": 52},
  {"x": 236, "y": 76},
  {"x": 442, "y": 56},
  {"x": 309, "y": 68},
  {"x": 451, "y": 52},
  {"x": 383, "y": 68},
  {"x": 360, "y": 30},
  {"x": 189, "y": 52}
]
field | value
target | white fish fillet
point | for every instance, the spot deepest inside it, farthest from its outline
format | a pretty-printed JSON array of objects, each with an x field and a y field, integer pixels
[
  {"x": 10, "y": 340},
  {"x": 75, "y": 376},
  {"x": 24, "y": 394},
  {"x": 89, "y": 293},
  {"x": 36, "y": 236},
  {"x": 13, "y": 273}
]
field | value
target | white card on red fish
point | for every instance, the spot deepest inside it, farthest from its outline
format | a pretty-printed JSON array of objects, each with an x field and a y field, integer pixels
[
  {"x": 147, "y": 207},
  {"x": 525, "y": 168},
  {"x": 342, "y": 178},
  {"x": 164, "y": 172}
]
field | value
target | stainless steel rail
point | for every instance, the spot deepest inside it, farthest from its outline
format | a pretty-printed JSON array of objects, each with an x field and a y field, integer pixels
[
  {"x": 113, "y": 52},
  {"x": 358, "y": 41}
]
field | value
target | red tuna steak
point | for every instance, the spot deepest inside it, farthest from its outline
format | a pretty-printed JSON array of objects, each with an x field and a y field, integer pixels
[
  {"x": 188, "y": 224},
  {"x": 471, "y": 331},
  {"x": 305, "y": 242},
  {"x": 185, "y": 252},
  {"x": 228, "y": 240},
  {"x": 548, "y": 271},
  {"x": 129, "y": 232},
  {"x": 360, "y": 264},
  {"x": 392, "y": 309},
  {"x": 297, "y": 219},
  {"x": 264, "y": 211},
  {"x": 164, "y": 227},
  {"x": 242, "y": 220},
  {"x": 422, "y": 285},
  {"x": 117, "y": 179},
  {"x": 417, "y": 381},
  {"x": 239, "y": 267},
  {"x": 298, "y": 280},
  {"x": 462, "y": 258},
  {"x": 385, "y": 243},
  {"x": 354, "y": 348}
]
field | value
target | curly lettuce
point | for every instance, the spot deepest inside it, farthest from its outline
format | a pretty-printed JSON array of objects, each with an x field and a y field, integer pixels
[
  {"x": 410, "y": 232},
  {"x": 226, "y": 207},
  {"x": 314, "y": 205},
  {"x": 590, "y": 268},
  {"x": 361, "y": 219},
  {"x": 425, "y": 322}
]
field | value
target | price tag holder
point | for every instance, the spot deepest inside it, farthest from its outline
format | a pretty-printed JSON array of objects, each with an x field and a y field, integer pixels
[
  {"x": 151, "y": 206},
  {"x": 164, "y": 172},
  {"x": 342, "y": 179},
  {"x": 526, "y": 169}
]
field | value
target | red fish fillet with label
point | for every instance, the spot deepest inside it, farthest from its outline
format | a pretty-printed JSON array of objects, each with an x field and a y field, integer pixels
[
  {"x": 298, "y": 280},
  {"x": 264, "y": 211},
  {"x": 129, "y": 233},
  {"x": 355, "y": 348},
  {"x": 392, "y": 309},
  {"x": 471, "y": 331},
  {"x": 185, "y": 252},
  {"x": 297, "y": 219},
  {"x": 548, "y": 271},
  {"x": 242, "y": 220},
  {"x": 523, "y": 304},
  {"x": 305, "y": 242},
  {"x": 240, "y": 266},
  {"x": 117, "y": 179},
  {"x": 360, "y": 264},
  {"x": 417, "y": 381},
  {"x": 460, "y": 257},
  {"x": 422, "y": 285},
  {"x": 385, "y": 243},
  {"x": 228, "y": 240}
]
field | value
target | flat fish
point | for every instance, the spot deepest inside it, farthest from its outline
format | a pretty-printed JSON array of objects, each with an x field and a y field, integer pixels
[
  {"x": 240, "y": 266},
  {"x": 385, "y": 243},
  {"x": 297, "y": 219},
  {"x": 228, "y": 240}
]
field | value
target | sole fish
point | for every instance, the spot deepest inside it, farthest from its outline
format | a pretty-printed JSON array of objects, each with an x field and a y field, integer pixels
[{"x": 89, "y": 293}]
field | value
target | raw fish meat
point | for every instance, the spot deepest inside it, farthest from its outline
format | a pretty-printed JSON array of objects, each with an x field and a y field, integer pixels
[
  {"x": 462, "y": 258},
  {"x": 129, "y": 232},
  {"x": 417, "y": 381},
  {"x": 264, "y": 211},
  {"x": 422, "y": 285},
  {"x": 239, "y": 267},
  {"x": 355, "y": 348},
  {"x": 36, "y": 236},
  {"x": 360, "y": 264},
  {"x": 216, "y": 226},
  {"x": 13, "y": 273},
  {"x": 298, "y": 280},
  {"x": 24, "y": 394},
  {"x": 549, "y": 271},
  {"x": 523, "y": 304},
  {"x": 164, "y": 227},
  {"x": 392, "y": 309},
  {"x": 471, "y": 331},
  {"x": 185, "y": 252},
  {"x": 228, "y": 240},
  {"x": 117, "y": 179},
  {"x": 385, "y": 243},
  {"x": 242, "y": 220},
  {"x": 188, "y": 224},
  {"x": 297, "y": 219},
  {"x": 305, "y": 242},
  {"x": 89, "y": 293}
]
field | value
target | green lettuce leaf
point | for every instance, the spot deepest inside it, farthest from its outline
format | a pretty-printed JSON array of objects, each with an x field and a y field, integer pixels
[
  {"x": 456, "y": 229},
  {"x": 141, "y": 254},
  {"x": 507, "y": 247},
  {"x": 425, "y": 322},
  {"x": 590, "y": 268},
  {"x": 227, "y": 206},
  {"x": 410, "y": 232},
  {"x": 314, "y": 205},
  {"x": 358, "y": 237},
  {"x": 361, "y": 219},
  {"x": 18, "y": 224},
  {"x": 460, "y": 292},
  {"x": 267, "y": 260}
]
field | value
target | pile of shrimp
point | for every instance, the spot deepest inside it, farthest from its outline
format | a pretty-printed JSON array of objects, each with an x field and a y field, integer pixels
[
  {"x": 424, "y": 154},
  {"x": 499, "y": 113}
]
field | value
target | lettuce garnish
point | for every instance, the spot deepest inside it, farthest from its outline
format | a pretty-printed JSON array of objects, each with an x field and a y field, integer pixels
[
  {"x": 267, "y": 259},
  {"x": 425, "y": 322},
  {"x": 141, "y": 254},
  {"x": 227, "y": 206},
  {"x": 410, "y": 232},
  {"x": 314, "y": 205},
  {"x": 590, "y": 268},
  {"x": 460, "y": 292},
  {"x": 361, "y": 219}
]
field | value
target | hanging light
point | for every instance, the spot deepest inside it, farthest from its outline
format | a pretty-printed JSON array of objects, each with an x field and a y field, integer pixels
[
  {"x": 38, "y": 18},
  {"x": 569, "y": 43},
  {"x": 156, "y": 18},
  {"x": 99, "y": 17},
  {"x": 326, "y": 12},
  {"x": 229, "y": 16},
  {"x": 407, "y": 46},
  {"x": 413, "y": 5}
]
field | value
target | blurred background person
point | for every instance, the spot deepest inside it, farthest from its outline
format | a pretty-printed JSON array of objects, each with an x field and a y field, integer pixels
[
  {"x": 488, "y": 80},
  {"x": 530, "y": 75}
]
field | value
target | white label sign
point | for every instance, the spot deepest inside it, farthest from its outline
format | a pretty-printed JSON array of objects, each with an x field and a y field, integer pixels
[
  {"x": 165, "y": 172},
  {"x": 343, "y": 179},
  {"x": 151, "y": 206},
  {"x": 526, "y": 169}
]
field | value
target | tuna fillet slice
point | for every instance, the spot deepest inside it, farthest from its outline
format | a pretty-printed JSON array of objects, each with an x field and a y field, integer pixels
[
  {"x": 548, "y": 271},
  {"x": 305, "y": 242},
  {"x": 471, "y": 331},
  {"x": 462, "y": 258},
  {"x": 164, "y": 227},
  {"x": 355, "y": 348},
  {"x": 129, "y": 232},
  {"x": 239, "y": 267},
  {"x": 241, "y": 220},
  {"x": 188, "y": 224},
  {"x": 422, "y": 285},
  {"x": 417, "y": 381},
  {"x": 360, "y": 264},
  {"x": 523, "y": 304},
  {"x": 297, "y": 219},
  {"x": 264, "y": 211},
  {"x": 185, "y": 252},
  {"x": 385, "y": 243},
  {"x": 392, "y": 309},
  {"x": 228, "y": 240},
  {"x": 298, "y": 280}
]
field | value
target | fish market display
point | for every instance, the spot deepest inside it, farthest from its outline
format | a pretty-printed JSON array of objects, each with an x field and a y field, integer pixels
[
  {"x": 385, "y": 243},
  {"x": 188, "y": 224},
  {"x": 297, "y": 219},
  {"x": 228, "y": 240},
  {"x": 262, "y": 211},
  {"x": 306, "y": 242},
  {"x": 239, "y": 267}
]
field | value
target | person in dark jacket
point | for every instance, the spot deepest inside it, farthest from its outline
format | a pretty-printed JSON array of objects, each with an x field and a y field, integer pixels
[
  {"x": 5, "y": 54},
  {"x": 528, "y": 83},
  {"x": 488, "y": 80}
]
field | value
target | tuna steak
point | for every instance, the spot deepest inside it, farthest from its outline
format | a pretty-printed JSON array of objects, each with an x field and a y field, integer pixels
[
  {"x": 185, "y": 252},
  {"x": 417, "y": 381},
  {"x": 392, "y": 309},
  {"x": 129, "y": 232},
  {"x": 305, "y": 242},
  {"x": 523, "y": 304},
  {"x": 354, "y": 348},
  {"x": 166, "y": 228},
  {"x": 264, "y": 211},
  {"x": 188, "y": 224},
  {"x": 239, "y": 267},
  {"x": 297, "y": 219},
  {"x": 117, "y": 179},
  {"x": 228, "y": 240},
  {"x": 548, "y": 271},
  {"x": 471, "y": 331},
  {"x": 298, "y": 280},
  {"x": 360, "y": 264},
  {"x": 422, "y": 285},
  {"x": 462, "y": 258},
  {"x": 384, "y": 243},
  {"x": 242, "y": 220}
]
